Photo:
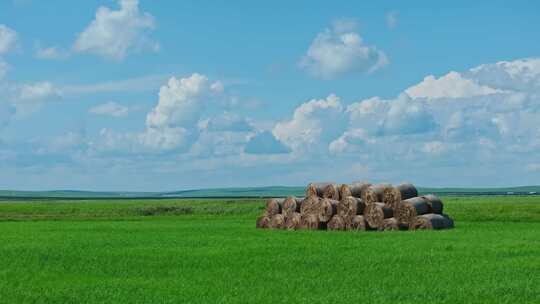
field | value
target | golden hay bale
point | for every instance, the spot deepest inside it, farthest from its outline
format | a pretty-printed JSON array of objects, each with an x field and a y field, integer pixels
[
  {"x": 376, "y": 213},
  {"x": 263, "y": 222},
  {"x": 274, "y": 206},
  {"x": 327, "y": 208},
  {"x": 292, "y": 222},
  {"x": 344, "y": 191},
  {"x": 357, "y": 223},
  {"x": 350, "y": 206},
  {"x": 277, "y": 221},
  {"x": 432, "y": 221},
  {"x": 310, "y": 222},
  {"x": 291, "y": 205},
  {"x": 374, "y": 193},
  {"x": 393, "y": 196},
  {"x": 434, "y": 203},
  {"x": 392, "y": 224},
  {"x": 310, "y": 205},
  {"x": 323, "y": 190},
  {"x": 410, "y": 208},
  {"x": 337, "y": 223}
]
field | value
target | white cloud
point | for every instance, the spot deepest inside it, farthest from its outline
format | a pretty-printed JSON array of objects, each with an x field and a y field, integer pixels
[
  {"x": 53, "y": 52},
  {"x": 341, "y": 50},
  {"x": 392, "y": 19},
  {"x": 115, "y": 33},
  {"x": 8, "y": 39},
  {"x": 27, "y": 98},
  {"x": 110, "y": 109},
  {"x": 351, "y": 141}
]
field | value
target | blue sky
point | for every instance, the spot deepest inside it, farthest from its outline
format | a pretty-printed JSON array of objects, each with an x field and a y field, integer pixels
[{"x": 136, "y": 95}]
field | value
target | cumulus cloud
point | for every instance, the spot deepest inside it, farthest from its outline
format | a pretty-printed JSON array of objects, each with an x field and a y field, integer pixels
[
  {"x": 265, "y": 143},
  {"x": 341, "y": 50},
  {"x": 110, "y": 109},
  {"x": 115, "y": 33},
  {"x": 8, "y": 39}
]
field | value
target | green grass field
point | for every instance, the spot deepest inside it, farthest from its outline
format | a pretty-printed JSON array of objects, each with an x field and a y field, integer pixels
[{"x": 208, "y": 251}]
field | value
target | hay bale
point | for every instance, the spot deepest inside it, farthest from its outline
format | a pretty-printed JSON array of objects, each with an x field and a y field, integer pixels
[
  {"x": 337, "y": 223},
  {"x": 292, "y": 221},
  {"x": 323, "y": 190},
  {"x": 310, "y": 222},
  {"x": 392, "y": 224},
  {"x": 432, "y": 221},
  {"x": 277, "y": 221},
  {"x": 263, "y": 222},
  {"x": 331, "y": 191},
  {"x": 357, "y": 188},
  {"x": 327, "y": 209},
  {"x": 376, "y": 213},
  {"x": 310, "y": 205},
  {"x": 393, "y": 196},
  {"x": 434, "y": 203},
  {"x": 374, "y": 193},
  {"x": 410, "y": 208},
  {"x": 274, "y": 206},
  {"x": 357, "y": 223},
  {"x": 350, "y": 206},
  {"x": 291, "y": 205},
  {"x": 344, "y": 191}
]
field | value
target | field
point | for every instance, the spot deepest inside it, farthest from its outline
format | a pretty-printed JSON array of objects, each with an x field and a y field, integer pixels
[{"x": 208, "y": 251}]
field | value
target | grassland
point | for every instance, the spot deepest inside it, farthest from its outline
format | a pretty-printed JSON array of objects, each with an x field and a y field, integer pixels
[{"x": 207, "y": 251}]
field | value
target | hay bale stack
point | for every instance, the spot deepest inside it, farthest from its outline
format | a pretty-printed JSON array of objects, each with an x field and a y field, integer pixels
[
  {"x": 350, "y": 206},
  {"x": 292, "y": 221},
  {"x": 432, "y": 221},
  {"x": 274, "y": 206},
  {"x": 344, "y": 191},
  {"x": 277, "y": 221},
  {"x": 434, "y": 203},
  {"x": 337, "y": 223},
  {"x": 392, "y": 224},
  {"x": 323, "y": 190},
  {"x": 263, "y": 222},
  {"x": 410, "y": 208},
  {"x": 291, "y": 205},
  {"x": 392, "y": 196},
  {"x": 357, "y": 223},
  {"x": 327, "y": 209},
  {"x": 310, "y": 222},
  {"x": 375, "y": 193},
  {"x": 310, "y": 205},
  {"x": 357, "y": 188},
  {"x": 376, "y": 213}
]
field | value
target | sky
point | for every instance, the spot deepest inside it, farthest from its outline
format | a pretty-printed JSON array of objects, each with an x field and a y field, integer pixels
[{"x": 128, "y": 95}]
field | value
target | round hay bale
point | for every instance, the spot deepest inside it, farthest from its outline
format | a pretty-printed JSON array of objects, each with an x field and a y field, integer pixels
[
  {"x": 407, "y": 190},
  {"x": 410, "y": 208},
  {"x": 344, "y": 191},
  {"x": 277, "y": 221},
  {"x": 376, "y": 213},
  {"x": 432, "y": 221},
  {"x": 310, "y": 205},
  {"x": 327, "y": 208},
  {"x": 337, "y": 223},
  {"x": 331, "y": 191},
  {"x": 375, "y": 193},
  {"x": 392, "y": 224},
  {"x": 316, "y": 189},
  {"x": 291, "y": 205},
  {"x": 357, "y": 223},
  {"x": 292, "y": 222},
  {"x": 350, "y": 206},
  {"x": 357, "y": 188},
  {"x": 393, "y": 196},
  {"x": 274, "y": 206},
  {"x": 263, "y": 222},
  {"x": 434, "y": 203},
  {"x": 309, "y": 221}
]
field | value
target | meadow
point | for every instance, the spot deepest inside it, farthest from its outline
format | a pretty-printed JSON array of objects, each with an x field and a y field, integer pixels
[{"x": 208, "y": 251}]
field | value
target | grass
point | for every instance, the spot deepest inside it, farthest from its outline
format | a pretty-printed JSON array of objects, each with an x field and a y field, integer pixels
[{"x": 207, "y": 251}]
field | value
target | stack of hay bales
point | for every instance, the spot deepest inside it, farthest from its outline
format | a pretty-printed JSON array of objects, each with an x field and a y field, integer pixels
[{"x": 356, "y": 206}]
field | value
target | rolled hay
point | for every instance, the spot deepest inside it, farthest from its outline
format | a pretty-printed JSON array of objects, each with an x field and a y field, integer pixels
[
  {"x": 277, "y": 221},
  {"x": 263, "y": 222},
  {"x": 392, "y": 196},
  {"x": 344, "y": 191},
  {"x": 291, "y": 205},
  {"x": 357, "y": 223},
  {"x": 434, "y": 203},
  {"x": 274, "y": 206},
  {"x": 337, "y": 223},
  {"x": 376, "y": 213},
  {"x": 310, "y": 205},
  {"x": 331, "y": 191},
  {"x": 374, "y": 193},
  {"x": 327, "y": 208},
  {"x": 357, "y": 188},
  {"x": 432, "y": 221},
  {"x": 410, "y": 208},
  {"x": 350, "y": 206},
  {"x": 292, "y": 221},
  {"x": 316, "y": 189},
  {"x": 392, "y": 224},
  {"x": 310, "y": 222}
]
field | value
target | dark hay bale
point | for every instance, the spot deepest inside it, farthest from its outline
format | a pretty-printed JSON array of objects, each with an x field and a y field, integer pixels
[
  {"x": 310, "y": 205},
  {"x": 357, "y": 223},
  {"x": 263, "y": 222},
  {"x": 327, "y": 208},
  {"x": 277, "y": 221},
  {"x": 357, "y": 188},
  {"x": 410, "y": 208},
  {"x": 393, "y": 196},
  {"x": 432, "y": 221},
  {"x": 337, "y": 223},
  {"x": 274, "y": 206},
  {"x": 375, "y": 193},
  {"x": 434, "y": 203},
  {"x": 291, "y": 205},
  {"x": 350, "y": 206},
  {"x": 376, "y": 213},
  {"x": 310, "y": 222},
  {"x": 392, "y": 224},
  {"x": 292, "y": 222}
]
